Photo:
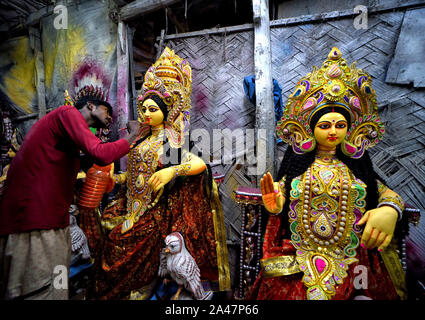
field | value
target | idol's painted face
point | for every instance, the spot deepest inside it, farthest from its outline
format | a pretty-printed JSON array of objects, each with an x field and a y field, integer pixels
[
  {"x": 330, "y": 130},
  {"x": 152, "y": 113}
]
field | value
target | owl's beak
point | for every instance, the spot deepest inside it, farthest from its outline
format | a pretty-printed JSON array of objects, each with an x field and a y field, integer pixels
[{"x": 167, "y": 250}]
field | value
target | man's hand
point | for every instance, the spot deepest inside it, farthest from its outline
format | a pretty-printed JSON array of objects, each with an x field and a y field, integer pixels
[
  {"x": 380, "y": 225},
  {"x": 133, "y": 128}
]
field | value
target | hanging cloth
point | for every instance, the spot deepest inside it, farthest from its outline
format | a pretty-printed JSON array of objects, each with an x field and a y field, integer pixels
[{"x": 249, "y": 88}]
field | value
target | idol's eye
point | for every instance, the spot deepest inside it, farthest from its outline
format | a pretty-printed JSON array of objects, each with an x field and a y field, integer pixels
[
  {"x": 324, "y": 125},
  {"x": 341, "y": 125},
  {"x": 144, "y": 109},
  {"x": 152, "y": 109}
]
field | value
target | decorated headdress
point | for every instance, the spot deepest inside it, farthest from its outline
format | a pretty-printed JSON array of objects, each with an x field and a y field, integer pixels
[
  {"x": 340, "y": 87},
  {"x": 88, "y": 80},
  {"x": 170, "y": 78}
]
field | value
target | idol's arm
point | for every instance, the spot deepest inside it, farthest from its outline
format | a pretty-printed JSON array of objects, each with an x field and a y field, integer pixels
[
  {"x": 388, "y": 197},
  {"x": 381, "y": 222},
  {"x": 190, "y": 165},
  {"x": 120, "y": 178}
]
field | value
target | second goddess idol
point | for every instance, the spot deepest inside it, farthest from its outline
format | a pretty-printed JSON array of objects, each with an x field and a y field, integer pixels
[{"x": 331, "y": 216}]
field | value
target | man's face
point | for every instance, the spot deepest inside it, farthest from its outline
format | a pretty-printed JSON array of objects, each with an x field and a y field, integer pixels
[{"x": 101, "y": 116}]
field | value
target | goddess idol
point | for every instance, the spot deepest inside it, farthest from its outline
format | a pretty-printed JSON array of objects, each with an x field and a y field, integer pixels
[
  {"x": 161, "y": 194},
  {"x": 332, "y": 218}
]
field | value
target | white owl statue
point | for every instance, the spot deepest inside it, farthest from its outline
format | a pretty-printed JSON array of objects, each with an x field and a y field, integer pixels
[{"x": 177, "y": 262}]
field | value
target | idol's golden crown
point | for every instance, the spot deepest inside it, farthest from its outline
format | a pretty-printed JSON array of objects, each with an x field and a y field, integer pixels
[
  {"x": 170, "y": 77},
  {"x": 173, "y": 69},
  {"x": 335, "y": 85}
]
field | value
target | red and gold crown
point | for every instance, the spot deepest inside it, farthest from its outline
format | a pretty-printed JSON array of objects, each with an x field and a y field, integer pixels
[{"x": 336, "y": 85}]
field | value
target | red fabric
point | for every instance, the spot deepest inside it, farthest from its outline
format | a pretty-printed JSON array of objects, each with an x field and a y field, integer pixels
[
  {"x": 40, "y": 182},
  {"x": 291, "y": 287}
]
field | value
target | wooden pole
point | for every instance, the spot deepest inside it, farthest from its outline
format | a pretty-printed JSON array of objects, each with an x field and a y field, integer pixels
[
  {"x": 139, "y": 7},
  {"x": 160, "y": 47},
  {"x": 123, "y": 94},
  {"x": 132, "y": 82},
  {"x": 265, "y": 118}
]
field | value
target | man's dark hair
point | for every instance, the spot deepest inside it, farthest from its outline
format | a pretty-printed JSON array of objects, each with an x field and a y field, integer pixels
[{"x": 82, "y": 102}]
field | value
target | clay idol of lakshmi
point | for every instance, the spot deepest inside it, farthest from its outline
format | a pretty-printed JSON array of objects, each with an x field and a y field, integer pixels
[
  {"x": 160, "y": 197},
  {"x": 331, "y": 217}
]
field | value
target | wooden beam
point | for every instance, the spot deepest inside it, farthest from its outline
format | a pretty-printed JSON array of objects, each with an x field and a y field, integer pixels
[
  {"x": 347, "y": 13},
  {"x": 265, "y": 118},
  {"x": 298, "y": 20},
  {"x": 227, "y": 30},
  {"x": 140, "y": 7},
  {"x": 35, "y": 17}
]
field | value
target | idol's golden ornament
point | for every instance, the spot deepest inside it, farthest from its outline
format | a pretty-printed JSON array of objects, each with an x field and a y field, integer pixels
[{"x": 339, "y": 85}]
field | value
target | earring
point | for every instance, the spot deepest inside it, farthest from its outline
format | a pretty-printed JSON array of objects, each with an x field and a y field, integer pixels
[
  {"x": 348, "y": 148},
  {"x": 304, "y": 146},
  {"x": 352, "y": 151}
]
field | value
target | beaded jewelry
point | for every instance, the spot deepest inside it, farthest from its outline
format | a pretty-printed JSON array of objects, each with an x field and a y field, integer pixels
[
  {"x": 182, "y": 169},
  {"x": 323, "y": 225},
  {"x": 395, "y": 202},
  {"x": 143, "y": 161}
]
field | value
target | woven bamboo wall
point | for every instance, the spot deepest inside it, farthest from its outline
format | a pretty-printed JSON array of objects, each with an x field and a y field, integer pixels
[{"x": 221, "y": 62}]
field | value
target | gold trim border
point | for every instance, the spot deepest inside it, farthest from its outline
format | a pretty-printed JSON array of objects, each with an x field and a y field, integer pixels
[
  {"x": 279, "y": 266},
  {"x": 220, "y": 240}
]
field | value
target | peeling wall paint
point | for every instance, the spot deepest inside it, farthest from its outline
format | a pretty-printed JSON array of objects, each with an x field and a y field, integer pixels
[
  {"x": 17, "y": 64},
  {"x": 90, "y": 36}
]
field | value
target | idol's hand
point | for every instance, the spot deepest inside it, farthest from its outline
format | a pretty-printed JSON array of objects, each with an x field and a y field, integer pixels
[
  {"x": 160, "y": 178},
  {"x": 272, "y": 197},
  {"x": 111, "y": 182},
  {"x": 379, "y": 229}
]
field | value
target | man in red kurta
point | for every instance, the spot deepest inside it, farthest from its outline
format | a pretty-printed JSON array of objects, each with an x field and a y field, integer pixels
[{"x": 34, "y": 209}]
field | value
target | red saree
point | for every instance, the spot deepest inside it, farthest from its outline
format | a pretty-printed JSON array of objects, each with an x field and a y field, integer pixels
[{"x": 130, "y": 261}]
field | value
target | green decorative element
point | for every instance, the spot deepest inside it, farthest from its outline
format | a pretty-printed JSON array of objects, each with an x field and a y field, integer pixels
[
  {"x": 93, "y": 130},
  {"x": 295, "y": 236},
  {"x": 359, "y": 201},
  {"x": 294, "y": 188},
  {"x": 354, "y": 243}
]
